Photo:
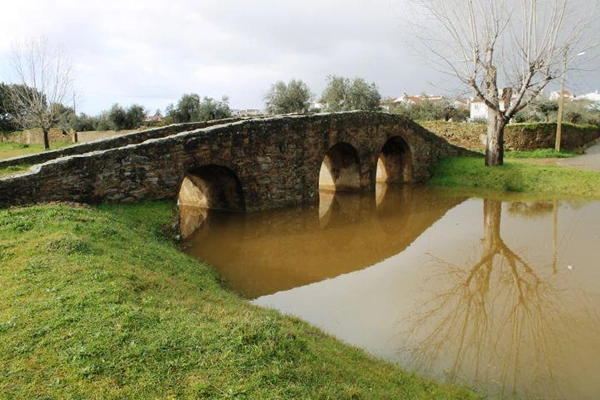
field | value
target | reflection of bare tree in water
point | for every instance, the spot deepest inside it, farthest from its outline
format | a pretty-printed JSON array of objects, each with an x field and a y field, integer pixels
[{"x": 501, "y": 324}]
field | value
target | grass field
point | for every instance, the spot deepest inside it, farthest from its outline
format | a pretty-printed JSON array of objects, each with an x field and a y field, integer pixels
[
  {"x": 99, "y": 303},
  {"x": 11, "y": 149},
  {"x": 540, "y": 153},
  {"x": 516, "y": 176}
]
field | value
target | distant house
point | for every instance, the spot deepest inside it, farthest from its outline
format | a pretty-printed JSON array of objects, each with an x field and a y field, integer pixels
[
  {"x": 156, "y": 119},
  {"x": 250, "y": 112},
  {"x": 315, "y": 105},
  {"x": 565, "y": 94},
  {"x": 406, "y": 99},
  {"x": 479, "y": 111},
  {"x": 594, "y": 97}
]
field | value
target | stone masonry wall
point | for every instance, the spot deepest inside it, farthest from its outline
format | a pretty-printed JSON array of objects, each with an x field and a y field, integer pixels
[
  {"x": 30, "y": 136},
  {"x": 277, "y": 160},
  {"x": 517, "y": 137}
]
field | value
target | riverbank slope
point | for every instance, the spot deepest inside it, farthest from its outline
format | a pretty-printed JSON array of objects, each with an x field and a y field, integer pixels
[{"x": 99, "y": 303}]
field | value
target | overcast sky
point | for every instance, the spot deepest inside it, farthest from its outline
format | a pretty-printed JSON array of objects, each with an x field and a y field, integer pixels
[{"x": 151, "y": 52}]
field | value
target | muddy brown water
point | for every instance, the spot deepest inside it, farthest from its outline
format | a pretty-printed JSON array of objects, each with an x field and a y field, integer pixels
[{"x": 503, "y": 296}]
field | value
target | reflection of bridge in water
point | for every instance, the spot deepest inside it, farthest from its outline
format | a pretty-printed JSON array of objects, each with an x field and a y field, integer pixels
[{"x": 264, "y": 253}]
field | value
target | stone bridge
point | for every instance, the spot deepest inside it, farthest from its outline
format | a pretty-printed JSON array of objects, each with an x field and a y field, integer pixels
[{"x": 246, "y": 165}]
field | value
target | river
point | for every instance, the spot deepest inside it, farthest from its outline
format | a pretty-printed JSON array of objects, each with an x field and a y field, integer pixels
[{"x": 498, "y": 293}]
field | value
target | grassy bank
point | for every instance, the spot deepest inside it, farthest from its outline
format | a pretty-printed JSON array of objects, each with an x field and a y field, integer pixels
[
  {"x": 516, "y": 176},
  {"x": 540, "y": 153},
  {"x": 11, "y": 149},
  {"x": 98, "y": 303}
]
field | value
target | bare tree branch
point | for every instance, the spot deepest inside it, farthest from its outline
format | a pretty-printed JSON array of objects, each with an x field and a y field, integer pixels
[
  {"x": 489, "y": 45},
  {"x": 43, "y": 79}
]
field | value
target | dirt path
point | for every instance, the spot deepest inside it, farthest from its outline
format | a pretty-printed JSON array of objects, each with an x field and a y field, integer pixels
[{"x": 590, "y": 160}]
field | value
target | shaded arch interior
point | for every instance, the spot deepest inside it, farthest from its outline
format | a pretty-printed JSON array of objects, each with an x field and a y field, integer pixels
[
  {"x": 395, "y": 162},
  {"x": 211, "y": 187},
  {"x": 340, "y": 169}
]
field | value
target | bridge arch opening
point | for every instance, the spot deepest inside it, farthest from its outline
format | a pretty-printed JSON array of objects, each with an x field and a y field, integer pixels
[
  {"x": 395, "y": 162},
  {"x": 210, "y": 187},
  {"x": 340, "y": 169}
]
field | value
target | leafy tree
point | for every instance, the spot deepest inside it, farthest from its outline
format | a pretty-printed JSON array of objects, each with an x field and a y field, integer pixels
[
  {"x": 538, "y": 110},
  {"x": 118, "y": 117},
  {"x": 546, "y": 110},
  {"x": 293, "y": 97},
  {"x": 7, "y": 110},
  {"x": 506, "y": 52},
  {"x": 43, "y": 79},
  {"x": 343, "y": 94},
  {"x": 335, "y": 96},
  {"x": 211, "y": 109},
  {"x": 190, "y": 108},
  {"x": 186, "y": 110},
  {"x": 135, "y": 116},
  {"x": 364, "y": 96},
  {"x": 103, "y": 122},
  {"x": 84, "y": 122},
  {"x": 67, "y": 116}
]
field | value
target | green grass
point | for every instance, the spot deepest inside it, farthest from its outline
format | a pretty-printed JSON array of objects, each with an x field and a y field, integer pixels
[
  {"x": 12, "y": 149},
  {"x": 516, "y": 176},
  {"x": 99, "y": 303},
  {"x": 540, "y": 153}
]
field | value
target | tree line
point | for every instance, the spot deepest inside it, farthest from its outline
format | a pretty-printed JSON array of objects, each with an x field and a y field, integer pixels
[
  {"x": 43, "y": 88},
  {"x": 341, "y": 94}
]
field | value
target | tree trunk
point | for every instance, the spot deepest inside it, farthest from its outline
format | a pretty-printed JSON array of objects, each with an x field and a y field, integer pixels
[
  {"x": 45, "y": 134},
  {"x": 494, "y": 152},
  {"x": 492, "y": 215}
]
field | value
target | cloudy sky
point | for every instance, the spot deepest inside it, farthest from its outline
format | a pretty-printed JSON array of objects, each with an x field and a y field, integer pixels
[{"x": 151, "y": 52}]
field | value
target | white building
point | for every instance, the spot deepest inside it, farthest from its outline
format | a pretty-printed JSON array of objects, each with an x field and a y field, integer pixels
[
  {"x": 565, "y": 94},
  {"x": 478, "y": 110},
  {"x": 594, "y": 96}
]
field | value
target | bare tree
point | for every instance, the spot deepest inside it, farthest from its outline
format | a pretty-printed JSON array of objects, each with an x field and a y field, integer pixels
[
  {"x": 506, "y": 51},
  {"x": 44, "y": 82}
]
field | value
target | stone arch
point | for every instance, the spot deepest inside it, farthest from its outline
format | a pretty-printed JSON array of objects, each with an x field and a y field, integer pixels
[
  {"x": 340, "y": 169},
  {"x": 395, "y": 162},
  {"x": 210, "y": 187}
]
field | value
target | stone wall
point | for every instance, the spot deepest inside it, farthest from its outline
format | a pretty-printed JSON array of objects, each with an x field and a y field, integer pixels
[
  {"x": 92, "y": 136},
  {"x": 277, "y": 160},
  {"x": 34, "y": 136},
  {"x": 517, "y": 137}
]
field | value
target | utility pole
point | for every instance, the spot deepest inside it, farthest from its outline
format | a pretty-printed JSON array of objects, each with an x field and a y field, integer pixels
[
  {"x": 75, "y": 138},
  {"x": 561, "y": 102}
]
